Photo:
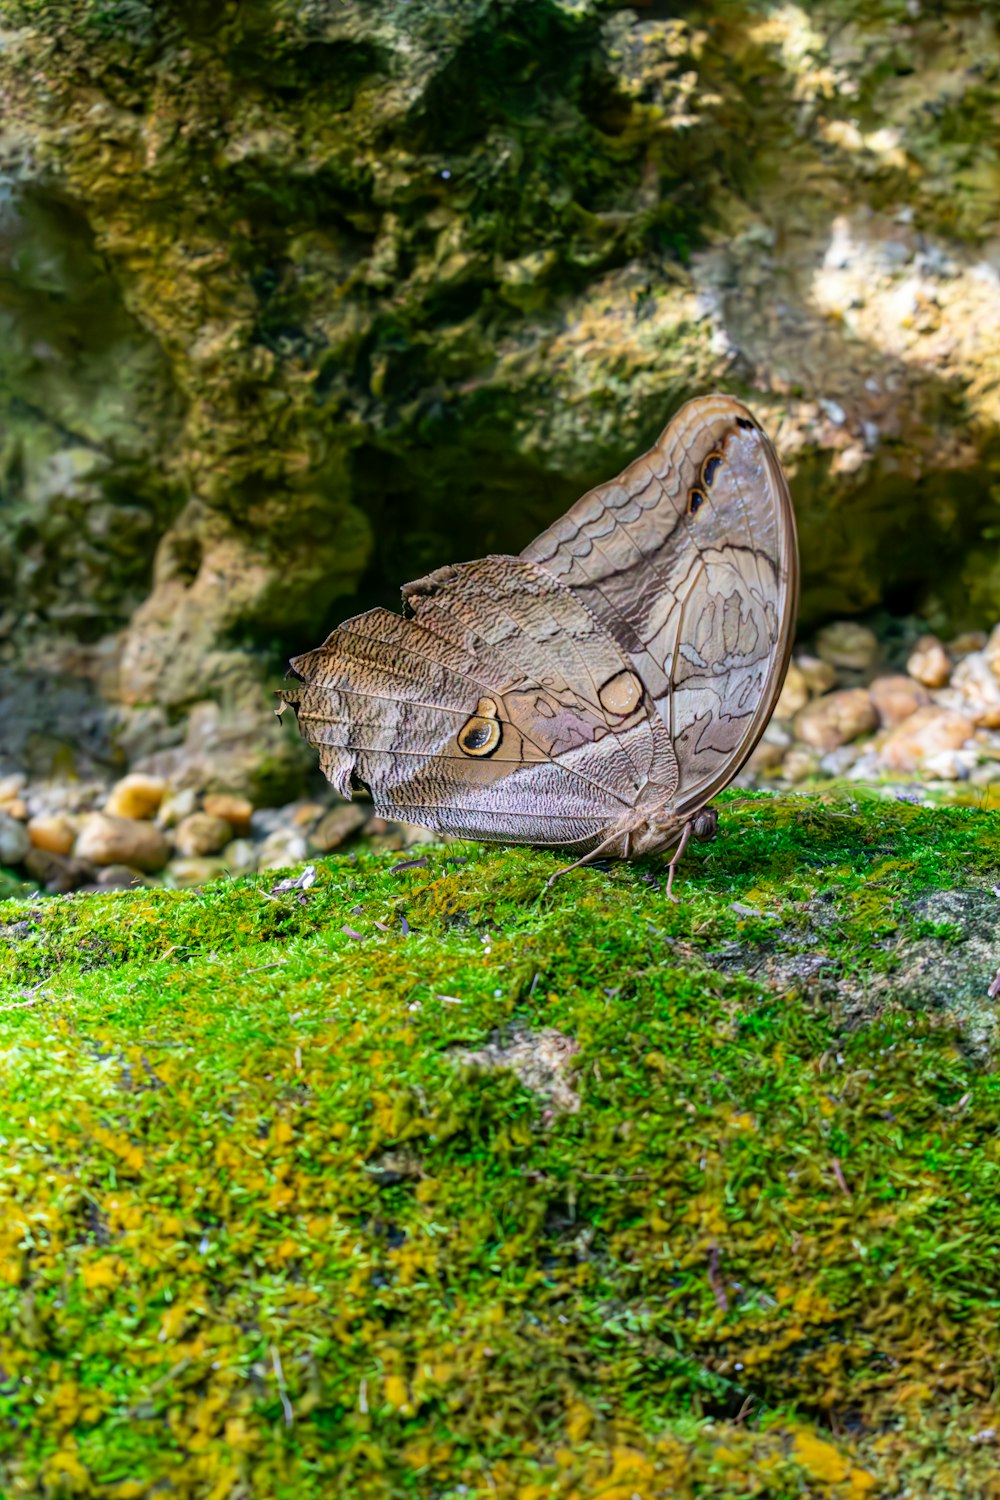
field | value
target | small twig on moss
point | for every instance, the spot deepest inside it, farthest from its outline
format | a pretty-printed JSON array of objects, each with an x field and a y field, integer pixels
[
  {"x": 278, "y": 963},
  {"x": 279, "y": 1375},
  {"x": 838, "y": 1172},
  {"x": 615, "y": 1176},
  {"x": 994, "y": 989},
  {"x": 23, "y": 1004},
  {"x": 162, "y": 1383},
  {"x": 715, "y": 1277}
]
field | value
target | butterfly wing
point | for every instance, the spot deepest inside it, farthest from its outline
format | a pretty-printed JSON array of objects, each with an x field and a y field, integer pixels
[
  {"x": 689, "y": 560},
  {"x": 501, "y": 709}
]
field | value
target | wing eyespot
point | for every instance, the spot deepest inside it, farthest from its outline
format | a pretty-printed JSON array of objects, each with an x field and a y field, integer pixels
[
  {"x": 481, "y": 733},
  {"x": 710, "y": 467},
  {"x": 621, "y": 694},
  {"x": 696, "y": 498}
]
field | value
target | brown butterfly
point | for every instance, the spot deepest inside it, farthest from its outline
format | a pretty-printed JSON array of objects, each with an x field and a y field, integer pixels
[{"x": 594, "y": 693}]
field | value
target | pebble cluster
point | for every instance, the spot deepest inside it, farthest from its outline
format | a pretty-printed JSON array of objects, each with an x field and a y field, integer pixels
[
  {"x": 71, "y": 836},
  {"x": 847, "y": 710}
]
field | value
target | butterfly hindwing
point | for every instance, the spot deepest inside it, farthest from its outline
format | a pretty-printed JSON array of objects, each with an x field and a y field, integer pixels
[{"x": 500, "y": 710}]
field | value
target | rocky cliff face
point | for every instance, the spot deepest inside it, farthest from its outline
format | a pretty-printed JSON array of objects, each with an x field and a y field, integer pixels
[{"x": 300, "y": 300}]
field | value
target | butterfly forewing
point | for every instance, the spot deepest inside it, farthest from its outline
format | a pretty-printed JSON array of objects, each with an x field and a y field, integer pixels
[{"x": 689, "y": 560}]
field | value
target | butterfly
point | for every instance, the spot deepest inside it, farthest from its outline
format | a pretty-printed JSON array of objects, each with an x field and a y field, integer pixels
[{"x": 594, "y": 693}]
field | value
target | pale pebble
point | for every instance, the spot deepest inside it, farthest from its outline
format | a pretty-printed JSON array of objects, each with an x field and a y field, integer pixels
[
  {"x": 765, "y": 756},
  {"x": 283, "y": 847},
  {"x": 14, "y": 841},
  {"x": 68, "y": 797},
  {"x": 12, "y": 785},
  {"x": 136, "y": 797},
  {"x": 799, "y": 764},
  {"x": 838, "y": 762},
  {"x": 949, "y": 765},
  {"x": 338, "y": 825},
  {"x": 836, "y": 719},
  {"x": 267, "y": 820},
  {"x": 820, "y": 676},
  {"x": 794, "y": 693},
  {"x": 119, "y": 878},
  {"x": 922, "y": 735},
  {"x": 847, "y": 644},
  {"x": 305, "y": 814},
  {"x": 895, "y": 698},
  {"x": 177, "y": 806},
  {"x": 107, "y": 840},
  {"x": 992, "y": 651},
  {"x": 967, "y": 642},
  {"x": 865, "y": 768},
  {"x": 979, "y": 689},
  {"x": 929, "y": 663},
  {"x": 199, "y": 834},
  {"x": 195, "y": 870},
  {"x": 237, "y": 811},
  {"x": 385, "y": 835},
  {"x": 240, "y": 856},
  {"x": 418, "y": 833},
  {"x": 52, "y": 832}
]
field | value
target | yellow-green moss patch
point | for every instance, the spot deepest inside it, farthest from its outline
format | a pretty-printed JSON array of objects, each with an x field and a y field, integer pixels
[{"x": 265, "y": 1229}]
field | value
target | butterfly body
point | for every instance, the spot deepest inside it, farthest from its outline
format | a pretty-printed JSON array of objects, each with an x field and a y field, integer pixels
[{"x": 596, "y": 691}]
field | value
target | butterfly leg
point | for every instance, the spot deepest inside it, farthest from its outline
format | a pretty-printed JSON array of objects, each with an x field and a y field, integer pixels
[
  {"x": 586, "y": 859},
  {"x": 704, "y": 825},
  {"x": 685, "y": 836}
]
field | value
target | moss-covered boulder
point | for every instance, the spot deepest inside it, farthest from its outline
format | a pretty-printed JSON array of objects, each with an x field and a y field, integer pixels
[
  {"x": 305, "y": 299},
  {"x": 412, "y": 1178}
]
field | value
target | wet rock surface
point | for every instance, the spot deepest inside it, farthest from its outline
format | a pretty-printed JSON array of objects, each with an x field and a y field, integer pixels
[
  {"x": 955, "y": 965},
  {"x": 949, "y": 970}
]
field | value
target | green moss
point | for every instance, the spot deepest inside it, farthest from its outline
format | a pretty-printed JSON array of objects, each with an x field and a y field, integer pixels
[{"x": 269, "y": 1227}]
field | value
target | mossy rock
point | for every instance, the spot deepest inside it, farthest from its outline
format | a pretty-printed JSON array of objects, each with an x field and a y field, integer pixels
[{"x": 423, "y": 1180}]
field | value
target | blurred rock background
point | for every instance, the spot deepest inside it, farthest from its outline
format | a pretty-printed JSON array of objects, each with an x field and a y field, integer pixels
[{"x": 300, "y": 300}]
